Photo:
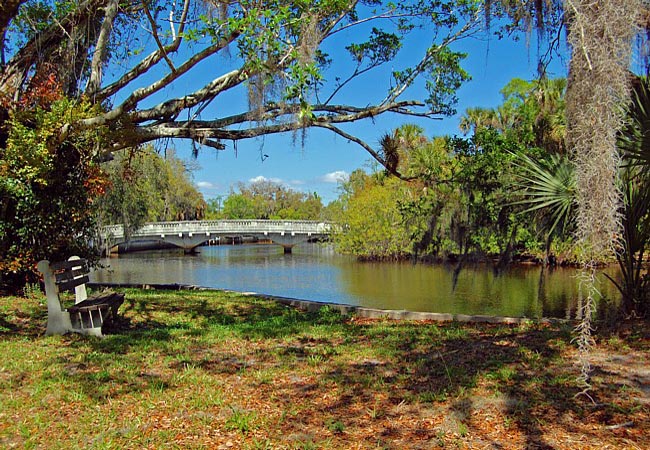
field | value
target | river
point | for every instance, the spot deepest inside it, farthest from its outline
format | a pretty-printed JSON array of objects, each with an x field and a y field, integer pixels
[{"x": 316, "y": 272}]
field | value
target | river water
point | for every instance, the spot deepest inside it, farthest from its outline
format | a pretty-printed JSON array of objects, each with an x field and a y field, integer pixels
[{"x": 316, "y": 272}]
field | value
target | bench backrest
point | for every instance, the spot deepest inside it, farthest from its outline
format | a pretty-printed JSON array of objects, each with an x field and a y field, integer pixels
[
  {"x": 63, "y": 276},
  {"x": 70, "y": 274}
]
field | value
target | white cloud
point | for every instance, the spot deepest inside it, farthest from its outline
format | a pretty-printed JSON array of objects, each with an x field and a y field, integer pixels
[
  {"x": 262, "y": 178},
  {"x": 205, "y": 185},
  {"x": 335, "y": 177}
]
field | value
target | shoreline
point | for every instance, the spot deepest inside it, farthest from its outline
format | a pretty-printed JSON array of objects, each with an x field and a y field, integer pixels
[{"x": 346, "y": 309}]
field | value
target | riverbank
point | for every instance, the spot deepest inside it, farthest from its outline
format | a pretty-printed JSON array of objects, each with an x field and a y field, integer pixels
[
  {"x": 203, "y": 369},
  {"x": 344, "y": 309},
  {"x": 316, "y": 273}
]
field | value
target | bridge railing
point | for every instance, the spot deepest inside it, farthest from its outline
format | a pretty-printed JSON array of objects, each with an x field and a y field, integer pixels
[{"x": 223, "y": 226}]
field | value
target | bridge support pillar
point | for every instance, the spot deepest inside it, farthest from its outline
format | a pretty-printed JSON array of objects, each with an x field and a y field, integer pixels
[{"x": 187, "y": 241}]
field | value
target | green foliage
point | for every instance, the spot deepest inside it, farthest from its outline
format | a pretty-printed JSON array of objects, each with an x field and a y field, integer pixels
[
  {"x": 634, "y": 178},
  {"x": 445, "y": 77},
  {"x": 532, "y": 112},
  {"x": 47, "y": 188},
  {"x": 374, "y": 228},
  {"x": 214, "y": 208},
  {"x": 270, "y": 200},
  {"x": 238, "y": 206},
  {"x": 549, "y": 187},
  {"x": 460, "y": 198},
  {"x": 457, "y": 203},
  {"x": 146, "y": 187}
]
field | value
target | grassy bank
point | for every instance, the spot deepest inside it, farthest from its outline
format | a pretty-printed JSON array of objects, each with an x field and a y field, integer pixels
[{"x": 196, "y": 369}]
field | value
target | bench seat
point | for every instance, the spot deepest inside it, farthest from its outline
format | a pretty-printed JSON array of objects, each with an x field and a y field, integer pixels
[{"x": 112, "y": 300}]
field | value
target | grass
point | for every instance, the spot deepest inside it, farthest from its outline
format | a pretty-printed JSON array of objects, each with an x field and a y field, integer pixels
[{"x": 198, "y": 369}]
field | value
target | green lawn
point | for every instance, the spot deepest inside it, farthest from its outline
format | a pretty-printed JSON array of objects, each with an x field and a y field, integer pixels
[{"x": 200, "y": 369}]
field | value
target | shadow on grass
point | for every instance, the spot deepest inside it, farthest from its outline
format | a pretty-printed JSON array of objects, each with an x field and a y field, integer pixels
[
  {"x": 163, "y": 325},
  {"x": 6, "y": 326},
  {"x": 28, "y": 321},
  {"x": 441, "y": 374},
  {"x": 434, "y": 367}
]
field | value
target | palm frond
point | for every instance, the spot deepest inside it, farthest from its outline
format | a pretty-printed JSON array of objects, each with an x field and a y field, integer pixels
[
  {"x": 634, "y": 140},
  {"x": 548, "y": 186}
]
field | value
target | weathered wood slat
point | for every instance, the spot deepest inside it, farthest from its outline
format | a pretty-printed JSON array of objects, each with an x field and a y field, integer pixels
[
  {"x": 71, "y": 284},
  {"x": 63, "y": 265},
  {"x": 69, "y": 275},
  {"x": 111, "y": 300}
]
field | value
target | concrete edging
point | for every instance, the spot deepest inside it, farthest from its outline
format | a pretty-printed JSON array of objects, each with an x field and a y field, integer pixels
[{"x": 344, "y": 309}]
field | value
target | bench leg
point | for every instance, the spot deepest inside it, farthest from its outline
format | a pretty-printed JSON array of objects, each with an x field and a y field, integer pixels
[
  {"x": 58, "y": 323},
  {"x": 96, "y": 331},
  {"x": 89, "y": 322}
]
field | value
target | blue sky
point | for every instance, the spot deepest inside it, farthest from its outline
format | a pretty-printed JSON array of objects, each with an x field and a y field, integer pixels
[{"x": 325, "y": 158}]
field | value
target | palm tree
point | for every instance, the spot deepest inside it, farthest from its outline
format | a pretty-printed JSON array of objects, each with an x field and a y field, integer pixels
[
  {"x": 475, "y": 118},
  {"x": 634, "y": 143},
  {"x": 549, "y": 188},
  {"x": 549, "y": 126}
]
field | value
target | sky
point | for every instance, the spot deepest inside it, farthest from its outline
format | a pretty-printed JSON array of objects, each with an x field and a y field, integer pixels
[{"x": 320, "y": 161}]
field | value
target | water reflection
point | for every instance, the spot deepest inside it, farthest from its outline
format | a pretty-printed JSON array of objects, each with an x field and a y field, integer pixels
[{"x": 315, "y": 272}]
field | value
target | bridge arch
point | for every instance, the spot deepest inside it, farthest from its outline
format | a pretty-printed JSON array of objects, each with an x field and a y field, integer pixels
[{"x": 192, "y": 233}]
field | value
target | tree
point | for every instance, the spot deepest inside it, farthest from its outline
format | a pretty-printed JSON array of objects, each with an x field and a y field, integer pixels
[
  {"x": 265, "y": 199},
  {"x": 46, "y": 197},
  {"x": 549, "y": 189},
  {"x": 457, "y": 202},
  {"x": 634, "y": 144},
  {"x": 279, "y": 54},
  {"x": 214, "y": 208},
  {"x": 532, "y": 110},
  {"x": 146, "y": 187},
  {"x": 373, "y": 225},
  {"x": 238, "y": 206},
  {"x": 111, "y": 64}
]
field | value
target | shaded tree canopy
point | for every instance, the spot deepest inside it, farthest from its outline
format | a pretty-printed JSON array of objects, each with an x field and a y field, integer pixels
[
  {"x": 147, "y": 187},
  {"x": 126, "y": 55}
]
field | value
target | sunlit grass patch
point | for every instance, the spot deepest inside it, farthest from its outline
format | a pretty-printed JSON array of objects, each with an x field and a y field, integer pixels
[{"x": 199, "y": 369}]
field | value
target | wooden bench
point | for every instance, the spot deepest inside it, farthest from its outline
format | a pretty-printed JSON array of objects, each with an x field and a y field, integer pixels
[{"x": 88, "y": 314}]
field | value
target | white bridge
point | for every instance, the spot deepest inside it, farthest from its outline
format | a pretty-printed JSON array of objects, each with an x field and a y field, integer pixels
[{"x": 190, "y": 234}]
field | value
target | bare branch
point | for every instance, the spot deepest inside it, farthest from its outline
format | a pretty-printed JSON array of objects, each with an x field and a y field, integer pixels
[
  {"x": 8, "y": 11},
  {"x": 205, "y": 132},
  {"x": 154, "y": 32},
  {"x": 354, "y": 75},
  {"x": 172, "y": 108},
  {"x": 147, "y": 63},
  {"x": 331, "y": 114},
  {"x": 142, "y": 93},
  {"x": 426, "y": 60},
  {"x": 200, "y": 133},
  {"x": 366, "y": 147},
  {"x": 95, "y": 80},
  {"x": 343, "y": 114},
  {"x": 327, "y": 31},
  {"x": 390, "y": 15},
  {"x": 15, "y": 72}
]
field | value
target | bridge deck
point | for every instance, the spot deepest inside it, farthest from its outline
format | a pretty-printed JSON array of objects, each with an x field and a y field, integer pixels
[{"x": 190, "y": 234}]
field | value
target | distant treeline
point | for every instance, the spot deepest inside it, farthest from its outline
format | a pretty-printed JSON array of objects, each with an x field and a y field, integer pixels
[{"x": 266, "y": 199}]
